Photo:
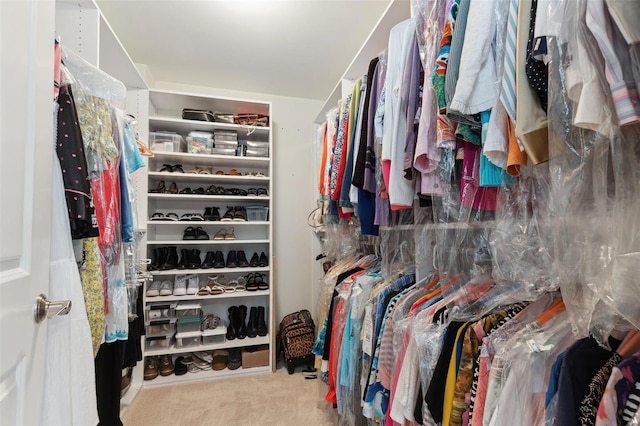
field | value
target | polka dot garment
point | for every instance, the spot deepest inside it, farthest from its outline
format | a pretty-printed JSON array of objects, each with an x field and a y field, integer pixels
[{"x": 74, "y": 169}]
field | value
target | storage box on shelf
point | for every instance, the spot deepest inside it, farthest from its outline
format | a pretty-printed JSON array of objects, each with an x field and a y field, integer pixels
[{"x": 219, "y": 174}]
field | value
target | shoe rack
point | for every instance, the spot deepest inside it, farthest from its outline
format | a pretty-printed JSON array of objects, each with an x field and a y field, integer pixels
[{"x": 236, "y": 175}]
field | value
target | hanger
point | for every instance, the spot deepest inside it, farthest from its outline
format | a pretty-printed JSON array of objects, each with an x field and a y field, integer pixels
[
  {"x": 551, "y": 312},
  {"x": 630, "y": 344}
]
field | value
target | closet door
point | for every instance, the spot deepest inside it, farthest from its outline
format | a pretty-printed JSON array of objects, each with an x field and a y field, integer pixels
[{"x": 26, "y": 144}]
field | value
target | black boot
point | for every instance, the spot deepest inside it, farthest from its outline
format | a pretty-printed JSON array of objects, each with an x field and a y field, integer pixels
[
  {"x": 194, "y": 259},
  {"x": 184, "y": 259},
  {"x": 171, "y": 260},
  {"x": 153, "y": 266},
  {"x": 242, "y": 259},
  {"x": 232, "y": 331},
  {"x": 218, "y": 260},
  {"x": 261, "y": 323},
  {"x": 242, "y": 320},
  {"x": 208, "y": 261},
  {"x": 252, "y": 326},
  {"x": 208, "y": 213},
  {"x": 231, "y": 259}
]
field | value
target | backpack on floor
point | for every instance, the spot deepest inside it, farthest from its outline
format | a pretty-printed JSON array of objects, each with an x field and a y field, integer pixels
[{"x": 296, "y": 338}]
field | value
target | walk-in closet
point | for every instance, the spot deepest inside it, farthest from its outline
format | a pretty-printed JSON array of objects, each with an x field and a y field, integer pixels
[{"x": 314, "y": 212}]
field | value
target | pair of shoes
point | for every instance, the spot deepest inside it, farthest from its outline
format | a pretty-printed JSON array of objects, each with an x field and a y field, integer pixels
[
  {"x": 220, "y": 359},
  {"x": 200, "y": 171},
  {"x": 239, "y": 328},
  {"x": 209, "y": 322},
  {"x": 158, "y": 365},
  {"x": 172, "y": 169},
  {"x": 193, "y": 217},
  {"x": 185, "y": 284},
  {"x": 213, "y": 287},
  {"x": 157, "y": 288},
  {"x": 198, "y": 361},
  {"x": 224, "y": 235},
  {"x": 189, "y": 259},
  {"x": 161, "y": 188},
  {"x": 189, "y": 191},
  {"x": 211, "y": 214},
  {"x": 255, "y": 282},
  {"x": 162, "y": 216},
  {"x": 256, "y": 174},
  {"x": 192, "y": 233},
  {"x": 164, "y": 258},
  {"x": 259, "y": 261},
  {"x": 235, "y": 214},
  {"x": 258, "y": 192},
  {"x": 237, "y": 259}
]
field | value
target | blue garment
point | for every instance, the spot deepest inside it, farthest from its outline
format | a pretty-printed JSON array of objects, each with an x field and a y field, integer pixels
[
  {"x": 126, "y": 210},
  {"x": 554, "y": 379},
  {"x": 367, "y": 212},
  {"x": 132, "y": 154},
  {"x": 490, "y": 174}
]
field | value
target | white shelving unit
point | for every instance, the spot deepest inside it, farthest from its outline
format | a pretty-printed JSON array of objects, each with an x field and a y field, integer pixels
[{"x": 165, "y": 108}]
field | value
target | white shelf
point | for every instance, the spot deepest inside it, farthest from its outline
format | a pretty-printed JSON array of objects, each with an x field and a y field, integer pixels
[
  {"x": 205, "y": 242},
  {"x": 184, "y": 197},
  {"x": 235, "y": 343},
  {"x": 115, "y": 60},
  {"x": 209, "y": 159},
  {"x": 183, "y": 127},
  {"x": 205, "y": 375},
  {"x": 233, "y": 295},
  {"x": 205, "y": 223},
  {"x": 175, "y": 101},
  {"x": 221, "y": 179},
  {"x": 211, "y": 271}
]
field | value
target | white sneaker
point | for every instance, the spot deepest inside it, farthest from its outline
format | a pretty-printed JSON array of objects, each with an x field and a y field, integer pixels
[
  {"x": 180, "y": 287},
  {"x": 166, "y": 289},
  {"x": 192, "y": 284},
  {"x": 154, "y": 289}
]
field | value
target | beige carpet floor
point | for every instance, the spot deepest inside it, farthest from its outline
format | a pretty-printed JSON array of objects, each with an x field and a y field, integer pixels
[{"x": 259, "y": 399}]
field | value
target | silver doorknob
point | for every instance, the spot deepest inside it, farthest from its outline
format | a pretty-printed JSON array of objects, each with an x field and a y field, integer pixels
[{"x": 45, "y": 309}]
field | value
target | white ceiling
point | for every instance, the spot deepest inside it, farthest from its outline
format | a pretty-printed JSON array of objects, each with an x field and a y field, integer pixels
[{"x": 294, "y": 48}]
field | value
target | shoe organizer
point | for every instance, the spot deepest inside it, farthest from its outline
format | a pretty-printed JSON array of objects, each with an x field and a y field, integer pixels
[
  {"x": 161, "y": 328},
  {"x": 257, "y": 214},
  {"x": 215, "y": 336},
  {"x": 188, "y": 310},
  {"x": 159, "y": 342},
  {"x": 159, "y": 311},
  {"x": 188, "y": 325},
  {"x": 188, "y": 340}
]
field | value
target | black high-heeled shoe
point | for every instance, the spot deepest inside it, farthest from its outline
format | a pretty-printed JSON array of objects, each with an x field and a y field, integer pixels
[{"x": 160, "y": 189}]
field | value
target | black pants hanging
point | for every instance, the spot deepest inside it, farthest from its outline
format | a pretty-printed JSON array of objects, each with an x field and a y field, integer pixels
[{"x": 108, "y": 375}]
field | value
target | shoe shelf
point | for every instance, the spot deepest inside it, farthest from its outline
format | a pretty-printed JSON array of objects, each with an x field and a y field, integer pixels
[
  {"x": 235, "y": 343},
  {"x": 205, "y": 223},
  {"x": 165, "y": 108},
  {"x": 232, "y": 295},
  {"x": 205, "y": 375},
  {"x": 221, "y": 161},
  {"x": 178, "y": 125},
  {"x": 210, "y": 271},
  {"x": 205, "y": 242},
  {"x": 185, "y": 197},
  {"x": 221, "y": 179}
]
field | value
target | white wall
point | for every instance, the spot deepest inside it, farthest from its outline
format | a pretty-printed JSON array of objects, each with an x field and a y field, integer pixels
[{"x": 294, "y": 194}]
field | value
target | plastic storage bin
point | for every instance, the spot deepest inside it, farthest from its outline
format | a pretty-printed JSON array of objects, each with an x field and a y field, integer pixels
[
  {"x": 223, "y": 151},
  {"x": 159, "y": 342},
  {"x": 160, "y": 328},
  {"x": 188, "y": 310},
  {"x": 159, "y": 311},
  {"x": 188, "y": 340},
  {"x": 215, "y": 336},
  {"x": 225, "y": 136},
  {"x": 167, "y": 142},
  {"x": 199, "y": 146},
  {"x": 188, "y": 325},
  {"x": 256, "y": 152},
  {"x": 257, "y": 214}
]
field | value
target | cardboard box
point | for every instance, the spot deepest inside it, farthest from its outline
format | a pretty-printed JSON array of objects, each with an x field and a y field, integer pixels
[{"x": 258, "y": 358}]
